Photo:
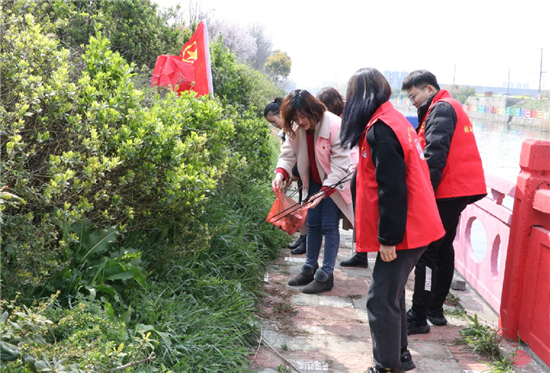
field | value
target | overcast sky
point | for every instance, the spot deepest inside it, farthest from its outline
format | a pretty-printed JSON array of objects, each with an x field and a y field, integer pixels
[{"x": 474, "y": 42}]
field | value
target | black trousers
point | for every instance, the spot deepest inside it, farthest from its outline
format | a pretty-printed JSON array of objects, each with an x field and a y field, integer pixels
[
  {"x": 386, "y": 306},
  {"x": 435, "y": 268}
]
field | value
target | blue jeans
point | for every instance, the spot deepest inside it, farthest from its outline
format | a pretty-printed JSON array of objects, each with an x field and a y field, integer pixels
[{"x": 323, "y": 220}]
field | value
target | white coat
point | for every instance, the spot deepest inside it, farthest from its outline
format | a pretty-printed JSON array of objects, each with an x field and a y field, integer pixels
[{"x": 333, "y": 161}]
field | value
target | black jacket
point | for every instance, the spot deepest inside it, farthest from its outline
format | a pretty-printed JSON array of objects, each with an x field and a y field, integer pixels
[
  {"x": 389, "y": 160},
  {"x": 439, "y": 130}
]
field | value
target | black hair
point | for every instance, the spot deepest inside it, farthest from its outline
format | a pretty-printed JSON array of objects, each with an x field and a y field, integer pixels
[
  {"x": 419, "y": 78},
  {"x": 367, "y": 91},
  {"x": 273, "y": 107}
]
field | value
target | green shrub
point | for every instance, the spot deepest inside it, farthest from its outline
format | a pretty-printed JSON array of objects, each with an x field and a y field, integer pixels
[
  {"x": 83, "y": 338},
  {"x": 90, "y": 151},
  {"x": 152, "y": 205}
]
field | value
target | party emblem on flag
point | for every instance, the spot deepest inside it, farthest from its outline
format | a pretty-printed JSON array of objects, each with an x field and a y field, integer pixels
[
  {"x": 189, "y": 53},
  {"x": 190, "y": 70}
]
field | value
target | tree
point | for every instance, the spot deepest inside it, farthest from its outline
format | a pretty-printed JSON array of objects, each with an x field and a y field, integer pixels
[
  {"x": 263, "y": 46},
  {"x": 235, "y": 37},
  {"x": 278, "y": 66},
  {"x": 461, "y": 93},
  {"x": 136, "y": 29}
]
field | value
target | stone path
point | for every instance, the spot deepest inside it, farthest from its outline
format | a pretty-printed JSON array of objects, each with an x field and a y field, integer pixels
[{"x": 329, "y": 332}]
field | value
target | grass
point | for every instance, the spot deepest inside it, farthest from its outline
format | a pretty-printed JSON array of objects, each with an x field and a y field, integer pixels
[
  {"x": 502, "y": 364},
  {"x": 485, "y": 341},
  {"x": 458, "y": 311},
  {"x": 452, "y": 300},
  {"x": 283, "y": 369},
  {"x": 481, "y": 338},
  {"x": 202, "y": 307},
  {"x": 285, "y": 309}
]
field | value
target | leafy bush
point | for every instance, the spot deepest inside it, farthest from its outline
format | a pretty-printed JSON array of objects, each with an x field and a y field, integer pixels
[
  {"x": 127, "y": 189},
  {"x": 136, "y": 28},
  {"x": 46, "y": 338},
  {"x": 90, "y": 151}
]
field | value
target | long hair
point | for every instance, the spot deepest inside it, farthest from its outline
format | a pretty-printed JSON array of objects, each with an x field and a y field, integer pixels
[
  {"x": 332, "y": 99},
  {"x": 304, "y": 102},
  {"x": 367, "y": 91}
]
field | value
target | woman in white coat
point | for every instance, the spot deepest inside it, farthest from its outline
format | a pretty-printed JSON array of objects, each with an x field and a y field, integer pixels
[{"x": 313, "y": 144}]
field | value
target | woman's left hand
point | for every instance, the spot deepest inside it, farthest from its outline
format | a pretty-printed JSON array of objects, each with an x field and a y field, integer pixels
[
  {"x": 315, "y": 200},
  {"x": 387, "y": 253}
]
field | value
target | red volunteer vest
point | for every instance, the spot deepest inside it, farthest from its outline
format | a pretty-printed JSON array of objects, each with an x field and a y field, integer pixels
[
  {"x": 423, "y": 222},
  {"x": 463, "y": 174}
]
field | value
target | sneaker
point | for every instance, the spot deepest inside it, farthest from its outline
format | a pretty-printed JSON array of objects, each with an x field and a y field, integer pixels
[
  {"x": 411, "y": 315},
  {"x": 382, "y": 370},
  {"x": 418, "y": 326},
  {"x": 358, "y": 260},
  {"x": 406, "y": 361},
  {"x": 437, "y": 317}
]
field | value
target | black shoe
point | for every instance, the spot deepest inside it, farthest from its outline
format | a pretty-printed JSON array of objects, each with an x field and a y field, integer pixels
[
  {"x": 301, "y": 249},
  {"x": 417, "y": 326},
  {"x": 411, "y": 315},
  {"x": 301, "y": 280},
  {"x": 406, "y": 361},
  {"x": 437, "y": 317},
  {"x": 297, "y": 243},
  {"x": 316, "y": 287},
  {"x": 382, "y": 370},
  {"x": 358, "y": 260}
]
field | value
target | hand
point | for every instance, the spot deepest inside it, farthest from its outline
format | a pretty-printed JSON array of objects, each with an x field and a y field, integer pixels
[
  {"x": 277, "y": 183},
  {"x": 387, "y": 253},
  {"x": 290, "y": 180},
  {"x": 315, "y": 200}
]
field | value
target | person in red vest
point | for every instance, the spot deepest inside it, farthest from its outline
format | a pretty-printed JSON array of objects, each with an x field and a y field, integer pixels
[
  {"x": 457, "y": 178},
  {"x": 396, "y": 214}
]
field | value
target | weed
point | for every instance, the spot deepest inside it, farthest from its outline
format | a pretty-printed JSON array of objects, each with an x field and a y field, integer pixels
[
  {"x": 503, "y": 364},
  {"x": 283, "y": 369},
  {"x": 458, "y": 312},
  {"x": 482, "y": 339},
  {"x": 285, "y": 308},
  {"x": 284, "y": 347},
  {"x": 452, "y": 300}
]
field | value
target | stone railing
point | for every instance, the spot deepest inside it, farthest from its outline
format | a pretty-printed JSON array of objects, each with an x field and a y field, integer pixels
[{"x": 513, "y": 275}]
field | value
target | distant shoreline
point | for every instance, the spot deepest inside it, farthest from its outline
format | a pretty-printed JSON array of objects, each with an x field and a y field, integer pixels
[{"x": 535, "y": 123}]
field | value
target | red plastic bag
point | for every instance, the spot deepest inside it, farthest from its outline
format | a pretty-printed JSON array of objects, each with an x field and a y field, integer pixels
[{"x": 290, "y": 220}]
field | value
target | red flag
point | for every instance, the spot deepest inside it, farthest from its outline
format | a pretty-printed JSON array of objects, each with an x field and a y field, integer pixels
[
  {"x": 191, "y": 69},
  {"x": 171, "y": 71}
]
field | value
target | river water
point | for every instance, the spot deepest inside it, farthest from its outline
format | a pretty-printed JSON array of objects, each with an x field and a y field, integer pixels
[
  {"x": 500, "y": 146},
  {"x": 500, "y": 149}
]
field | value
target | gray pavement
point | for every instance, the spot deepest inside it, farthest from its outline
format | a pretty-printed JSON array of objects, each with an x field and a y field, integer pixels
[{"x": 329, "y": 332}]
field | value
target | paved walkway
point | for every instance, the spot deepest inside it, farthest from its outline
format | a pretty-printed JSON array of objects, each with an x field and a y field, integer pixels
[{"x": 329, "y": 332}]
